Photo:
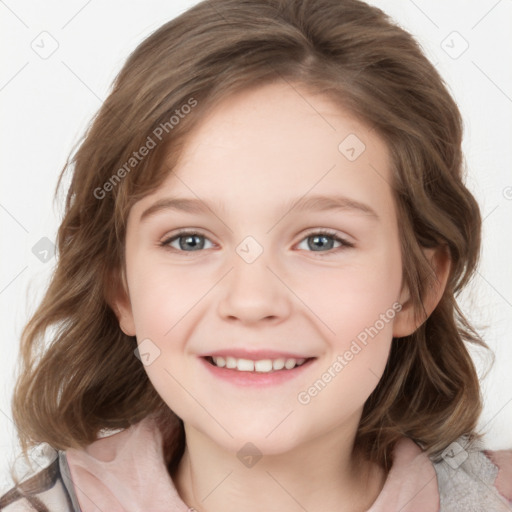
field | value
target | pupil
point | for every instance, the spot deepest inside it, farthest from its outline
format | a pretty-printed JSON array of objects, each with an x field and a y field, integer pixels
[
  {"x": 190, "y": 240},
  {"x": 320, "y": 238},
  {"x": 319, "y": 241}
]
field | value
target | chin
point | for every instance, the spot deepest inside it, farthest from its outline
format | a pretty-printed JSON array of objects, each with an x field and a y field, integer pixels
[{"x": 265, "y": 436}]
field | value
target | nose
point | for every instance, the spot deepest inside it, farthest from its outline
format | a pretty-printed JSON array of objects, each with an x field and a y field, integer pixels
[{"x": 253, "y": 292}]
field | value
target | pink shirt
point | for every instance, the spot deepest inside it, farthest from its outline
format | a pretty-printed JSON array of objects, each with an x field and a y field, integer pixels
[{"x": 126, "y": 472}]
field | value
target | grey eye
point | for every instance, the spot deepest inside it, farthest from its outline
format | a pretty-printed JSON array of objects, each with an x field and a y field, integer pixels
[{"x": 188, "y": 242}]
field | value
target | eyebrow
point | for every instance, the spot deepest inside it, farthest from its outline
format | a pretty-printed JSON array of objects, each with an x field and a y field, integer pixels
[{"x": 305, "y": 203}]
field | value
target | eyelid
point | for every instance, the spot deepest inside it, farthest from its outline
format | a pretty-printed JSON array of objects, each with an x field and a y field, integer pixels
[
  {"x": 335, "y": 235},
  {"x": 345, "y": 243},
  {"x": 166, "y": 239},
  {"x": 347, "y": 239}
]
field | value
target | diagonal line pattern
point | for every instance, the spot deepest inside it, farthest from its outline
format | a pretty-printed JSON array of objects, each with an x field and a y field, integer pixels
[
  {"x": 14, "y": 76},
  {"x": 300, "y": 299},
  {"x": 492, "y": 81},
  {"x": 282, "y": 77},
  {"x": 282, "y": 421},
  {"x": 490, "y": 213},
  {"x": 304, "y": 99},
  {"x": 215, "y": 488},
  {"x": 407, "y": 502},
  {"x": 181, "y": 179},
  {"x": 380, "y": 175},
  {"x": 485, "y": 15},
  {"x": 95, "y": 95},
  {"x": 490, "y": 420},
  {"x": 199, "y": 403},
  {"x": 188, "y": 311},
  {"x": 312, "y": 187},
  {"x": 70, "y": 483},
  {"x": 494, "y": 288},
  {"x": 424, "y": 13},
  {"x": 14, "y": 218},
  {"x": 493, "y": 493},
  {"x": 75, "y": 15},
  {"x": 13, "y": 279},
  {"x": 16, "y": 427},
  {"x": 13, "y": 13},
  {"x": 80, "y": 80},
  {"x": 286, "y": 491}
]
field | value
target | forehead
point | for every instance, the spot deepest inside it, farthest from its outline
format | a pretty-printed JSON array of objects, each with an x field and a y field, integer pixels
[{"x": 270, "y": 145}]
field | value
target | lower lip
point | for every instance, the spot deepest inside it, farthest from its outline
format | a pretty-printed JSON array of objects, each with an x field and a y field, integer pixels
[{"x": 272, "y": 378}]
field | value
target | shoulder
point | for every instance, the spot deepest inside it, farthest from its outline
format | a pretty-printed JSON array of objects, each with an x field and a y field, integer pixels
[
  {"x": 46, "y": 490},
  {"x": 472, "y": 478}
]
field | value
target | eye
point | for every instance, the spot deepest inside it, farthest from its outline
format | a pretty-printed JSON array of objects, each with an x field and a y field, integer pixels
[
  {"x": 324, "y": 239},
  {"x": 186, "y": 240},
  {"x": 196, "y": 241}
]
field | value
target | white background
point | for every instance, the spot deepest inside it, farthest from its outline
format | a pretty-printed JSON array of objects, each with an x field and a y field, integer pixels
[{"x": 48, "y": 102}]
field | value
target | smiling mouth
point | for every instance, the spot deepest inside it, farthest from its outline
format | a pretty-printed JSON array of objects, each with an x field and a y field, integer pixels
[{"x": 259, "y": 366}]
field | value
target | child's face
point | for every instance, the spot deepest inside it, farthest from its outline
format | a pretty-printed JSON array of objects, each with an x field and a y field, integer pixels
[{"x": 260, "y": 280}]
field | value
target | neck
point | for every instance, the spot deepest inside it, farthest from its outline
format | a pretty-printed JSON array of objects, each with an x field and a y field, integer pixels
[{"x": 324, "y": 475}]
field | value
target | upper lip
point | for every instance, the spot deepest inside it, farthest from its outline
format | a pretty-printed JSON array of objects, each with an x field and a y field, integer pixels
[{"x": 255, "y": 355}]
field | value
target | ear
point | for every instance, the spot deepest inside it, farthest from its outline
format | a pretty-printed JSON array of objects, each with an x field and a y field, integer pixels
[
  {"x": 119, "y": 300},
  {"x": 407, "y": 321}
]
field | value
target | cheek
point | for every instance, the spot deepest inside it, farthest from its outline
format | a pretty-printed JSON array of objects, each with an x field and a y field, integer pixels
[
  {"x": 352, "y": 296},
  {"x": 162, "y": 296},
  {"x": 357, "y": 308},
  {"x": 357, "y": 305}
]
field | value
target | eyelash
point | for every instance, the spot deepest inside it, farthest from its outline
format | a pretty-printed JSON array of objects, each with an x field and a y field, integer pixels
[{"x": 345, "y": 244}]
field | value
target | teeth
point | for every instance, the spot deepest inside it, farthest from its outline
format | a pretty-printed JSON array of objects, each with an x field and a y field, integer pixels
[
  {"x": 263, "y": 365},
  {"x": 245, "y": 365},
  {"x": 290, "y": 363},
  {"x": 278, "y": 364}
]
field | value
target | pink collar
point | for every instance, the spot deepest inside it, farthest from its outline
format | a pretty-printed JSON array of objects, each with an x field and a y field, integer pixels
[{"x": 126, "y": 472}]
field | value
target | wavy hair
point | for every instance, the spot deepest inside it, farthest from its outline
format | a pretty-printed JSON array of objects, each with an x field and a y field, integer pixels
[{"x": 78, "y": 372}]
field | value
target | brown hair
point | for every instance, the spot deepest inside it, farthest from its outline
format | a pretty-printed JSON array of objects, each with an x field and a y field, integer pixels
[{"x": 87, "y": 377}]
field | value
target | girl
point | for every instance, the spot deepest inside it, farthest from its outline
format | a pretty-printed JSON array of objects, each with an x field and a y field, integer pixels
[{"x": 254, "y": 303}]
